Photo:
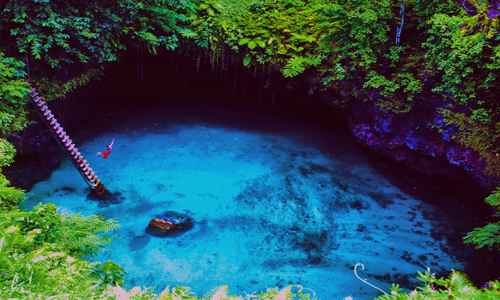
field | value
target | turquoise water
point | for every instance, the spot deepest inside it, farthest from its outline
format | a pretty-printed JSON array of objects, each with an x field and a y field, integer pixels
[{"x": 272, "y": 207}]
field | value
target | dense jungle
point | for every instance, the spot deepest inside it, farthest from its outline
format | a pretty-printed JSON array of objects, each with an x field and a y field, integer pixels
[{"x": 314, "y": 149}]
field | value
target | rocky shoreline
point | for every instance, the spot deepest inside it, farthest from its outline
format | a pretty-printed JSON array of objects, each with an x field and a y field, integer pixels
[{"x": 412, "y": 139}]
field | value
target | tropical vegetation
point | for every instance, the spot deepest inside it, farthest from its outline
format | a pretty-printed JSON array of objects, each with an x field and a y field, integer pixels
[{"x": 397, "y": 54}]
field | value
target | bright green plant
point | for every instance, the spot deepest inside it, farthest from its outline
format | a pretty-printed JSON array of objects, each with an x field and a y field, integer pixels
[
  {"x": 489, "y": 235},
  {"x": 7, "y": 153},
  {"x": 13, "y": 95},
  {"x": 481, "y": 115},
  {"x": 455, "y": 47},
  {"x": 109, "y": 273},
  {"x": 62, "y": 44},
  {"x": 10, "y": 197},
  {"x": 62, "y": 33},
  {"x": 41, "y": 253},
  {"x": 456, "y": 286},
  {"x": 477, "y": 136}
]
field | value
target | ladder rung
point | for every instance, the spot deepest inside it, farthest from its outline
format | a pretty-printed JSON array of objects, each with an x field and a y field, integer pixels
[{"x": 58, "y": 130}]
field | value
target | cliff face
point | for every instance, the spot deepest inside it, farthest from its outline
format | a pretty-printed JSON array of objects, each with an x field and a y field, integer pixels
[
  {"x": 419, "y": 139},
  {"x": 37, "y": 154}
]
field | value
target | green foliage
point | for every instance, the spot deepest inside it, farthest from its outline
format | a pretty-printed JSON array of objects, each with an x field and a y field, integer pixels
[
  {"x": 488, "y": 235},
  {"x": 41, "y": 253},
  {"x": 184, "y": 293},
  {"x": 377, "y": 81},
  {"x": 444, "y": 52},
  {"x": 55, "y": 89},
  {"x": 398, "y": 93},
  {"x": 298, "y": 34},
  {"x": 494, "y": 199},
  {"x": 63, "y": 45},
  {"x": 109, "y": 273},
  {"x": 480, "y": 137},
  {"x": 61, "y": 33},
  {"x": 13, "y": 95},
  {"x": 7, "y": 153},
  {"x": 394, "y": 54},
  {"x": 481, "y": 115},
  {"x": 456, "y": 47},
  {"x": 299, "y": 64},
  {"x": 10, "y": 197},
  {"x": 456, "y": 286}
]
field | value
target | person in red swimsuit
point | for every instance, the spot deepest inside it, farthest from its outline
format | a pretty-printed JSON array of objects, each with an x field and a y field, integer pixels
[{"x": 105, "y": 153}]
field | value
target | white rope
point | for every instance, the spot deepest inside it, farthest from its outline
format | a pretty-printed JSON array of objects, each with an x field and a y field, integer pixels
[
  {"x": 364, "y": 280},
  {"x": 300, "y": 288}
]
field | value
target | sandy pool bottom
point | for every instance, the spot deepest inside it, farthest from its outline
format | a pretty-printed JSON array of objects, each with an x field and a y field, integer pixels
[{"x": 270, "y": 209}]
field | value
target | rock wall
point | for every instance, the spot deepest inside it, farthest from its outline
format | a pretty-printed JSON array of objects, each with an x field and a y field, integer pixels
[
  {"x": 414, "y": 140},
  {"x": 411, "y": 139}
]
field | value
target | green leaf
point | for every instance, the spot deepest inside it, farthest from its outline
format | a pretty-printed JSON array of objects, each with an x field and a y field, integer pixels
[
  {"x": 243, "y": 41},
  {"x": 247, "y": 60},
  {"x": 252, "y": 44}
]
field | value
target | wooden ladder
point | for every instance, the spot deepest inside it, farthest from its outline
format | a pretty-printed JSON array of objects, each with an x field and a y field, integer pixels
[{"x": 65, "y": 141}]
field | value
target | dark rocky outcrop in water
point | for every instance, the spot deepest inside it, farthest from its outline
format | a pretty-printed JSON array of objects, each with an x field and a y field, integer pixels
[
  {"x": 169, "y": 223},
  {"x": 412, "y": 139}
]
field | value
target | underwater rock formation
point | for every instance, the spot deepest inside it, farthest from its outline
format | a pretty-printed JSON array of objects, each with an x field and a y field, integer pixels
[{"x": 169, "y": 223}]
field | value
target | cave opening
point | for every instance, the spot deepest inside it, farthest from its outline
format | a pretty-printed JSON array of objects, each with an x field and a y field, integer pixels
[{"x": 190, "y": 86}]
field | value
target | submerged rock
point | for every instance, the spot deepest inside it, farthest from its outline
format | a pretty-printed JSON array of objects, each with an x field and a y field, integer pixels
[
  {"x": 138, "y": 242},
  {"x": 169, "y": 223}
]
